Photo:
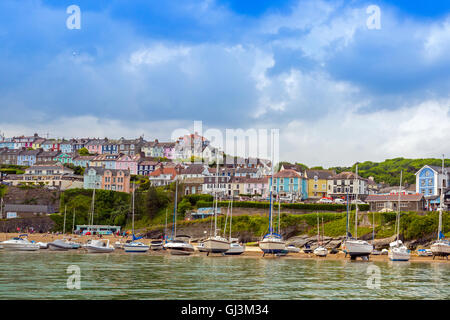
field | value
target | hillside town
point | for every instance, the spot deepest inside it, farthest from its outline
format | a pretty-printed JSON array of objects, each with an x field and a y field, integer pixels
[{"x": 108, "y": 164}]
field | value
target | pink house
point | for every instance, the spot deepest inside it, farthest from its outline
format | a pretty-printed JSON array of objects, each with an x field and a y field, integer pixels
[
  {"x": 126, "y": 162},
  {"x": 95, "y": 146},
  {"x": 169, "y": 150}
]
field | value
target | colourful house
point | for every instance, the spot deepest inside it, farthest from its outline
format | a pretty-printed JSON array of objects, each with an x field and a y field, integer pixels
[
  {"x": 318, "y": 182},
  {"x": 64, "y": 158},
  {"x": 289, "y": 183}
]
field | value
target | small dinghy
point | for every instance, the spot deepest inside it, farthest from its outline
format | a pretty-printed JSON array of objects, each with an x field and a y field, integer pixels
[
  {"x": 59, "y": 245},
  {"x": 99, "y": 246},
  {"x": 321, "y": 251},
  {"x": 292, "y": 249}
]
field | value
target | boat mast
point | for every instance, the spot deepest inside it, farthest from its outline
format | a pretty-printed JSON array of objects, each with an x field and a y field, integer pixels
[
  {"x": 441, "y": 204},
  {"x": 165, "y": 229},
  {"x": 1, "y": 208},
  {"x": 132, "y": 211},
  {"x": 231, "y": 215},
  {"x": 174, "y": 227},
  {"x": 73, "y": 221},
  {"x": 356, "y": 188},
  {"x": 92, "y": 207},
  {"x": 217, "y": 200},
  {"x": 279, "y": 212},
  {"x": 398, "y": 205},
  {"x": 323, "y": 232},
  {"x": 347, "y": 222},
  {"x": 65, "y": 212},
  {"x": 271, "y": 190},
  {"x": 318, "y": 230}
]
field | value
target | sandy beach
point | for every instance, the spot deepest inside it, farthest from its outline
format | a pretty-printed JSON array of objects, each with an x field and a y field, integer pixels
[{"x": 250, "y": 251}]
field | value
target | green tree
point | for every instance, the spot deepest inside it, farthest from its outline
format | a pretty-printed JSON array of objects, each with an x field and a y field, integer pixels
[{"x": 83, "y": 152}]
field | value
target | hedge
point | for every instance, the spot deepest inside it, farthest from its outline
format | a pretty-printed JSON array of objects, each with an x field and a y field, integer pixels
[{"x": 299, "y": 206}]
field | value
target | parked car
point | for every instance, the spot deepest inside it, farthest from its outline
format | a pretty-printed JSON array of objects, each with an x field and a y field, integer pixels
[
  {"x": 359, "y": 201},
  {"x": 325, "y": 200},
  {"x": 340, "y": 201}
]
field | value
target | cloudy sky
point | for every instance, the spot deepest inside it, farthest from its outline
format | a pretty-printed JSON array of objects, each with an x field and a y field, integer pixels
[{"x": 338, "y": 91}]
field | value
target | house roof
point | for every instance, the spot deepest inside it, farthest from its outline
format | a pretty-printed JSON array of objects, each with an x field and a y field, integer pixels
[
  {"x": 438, "y": 169},
  {"x": 29, "y": 208},
  {"x": 172, "y": 171},
  {"x": 287, "y": 173},
  {"x": 346, "y": 176},
  {"x": 394, "y": 197},
  {"x": 321, "y": 174},
  {"x": 193, "y": 169}
]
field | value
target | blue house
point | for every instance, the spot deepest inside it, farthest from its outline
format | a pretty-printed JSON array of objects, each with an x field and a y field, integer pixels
[
  {"x": 430, "y": 180},
  {"x": 109, "y": 147},
  {"x": 28, "y": 157},
  {"x": 289, "y": 183}
]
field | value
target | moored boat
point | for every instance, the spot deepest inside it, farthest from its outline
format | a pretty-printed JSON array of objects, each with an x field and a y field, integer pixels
[
  {"x": 43, "y": 245},
  {"x": 179, "y": 247},
  {"x": 321, "y": 251},
  {"x": 216, "y": 244},
  {"x": 292, "y": 249},
  {"x": 235, "y": 249},
  {"x": 99, "y": 246},
  {"x": 156, "y": 245},
  {"x": 19, "y": 243},
  {"x": 59, "y": 245}
]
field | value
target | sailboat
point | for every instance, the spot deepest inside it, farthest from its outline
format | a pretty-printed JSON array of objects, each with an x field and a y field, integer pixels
[
  {"x": 216, "y": 243},
  {"x": 320, "y": 251},
  {"x": 441, "y": 247},
  {"x": 177, "y": 246},
  {"x": 397, "y": 250},
  {"x": 135, "y": 246},
  {"x": 235, "y": 247},
  {"x": 272, "y": 243},
  {"x": 352, "y": 246}
]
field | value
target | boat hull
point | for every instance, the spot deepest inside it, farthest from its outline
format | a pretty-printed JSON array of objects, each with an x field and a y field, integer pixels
[
  {"x": 20, "y": 247},
  {"x": 136, "y": 249},
  {"x": 92, "y": 249},
  {"x": 218, "y": 245},
  {"x": 399, "y": 255},
  {"x": 440, "y": 249},
  {"x": 272, "y": 247},
  {"x": 358, "y": 248},
  {"x": 56, "y": 247},
  {"x": 321, "y": 252},
  {"x": 180, "y": 249},
  {"x": 235, "y": 250}
]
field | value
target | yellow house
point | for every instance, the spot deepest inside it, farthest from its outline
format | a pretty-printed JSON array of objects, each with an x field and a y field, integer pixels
[
  {"x": 317, "y": 182},
  {"x": 37, "y": 143}
]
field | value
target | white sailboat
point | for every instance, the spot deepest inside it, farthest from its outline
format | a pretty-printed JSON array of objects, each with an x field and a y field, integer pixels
[
  {"x": 235, "y": 247},
  {"x": 272, "y": 243},
  {"x": 216, "y": 243},
  {"x": 397, "y": 250},
  {"x": 352, "y": 246},
  {"x": 134, "y": 246},
  {"x": 441, "y": 248},
  {"x": 19, "y": 243},
  {"x": 320, "y": 251},
  {"x": 177, "y": 246}
]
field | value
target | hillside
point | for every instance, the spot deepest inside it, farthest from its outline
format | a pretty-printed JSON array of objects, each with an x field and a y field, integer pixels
[{"x": 388, "y": 171}]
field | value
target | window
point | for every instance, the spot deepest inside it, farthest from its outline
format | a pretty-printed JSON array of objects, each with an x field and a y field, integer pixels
[
  {"x": 315, "y": 186},
  {"x": 292, "y": 180},
  {"x": 324, "y": 186},
  {"x": 282, "y": 180},
  {"x": 316, "y": 178}
]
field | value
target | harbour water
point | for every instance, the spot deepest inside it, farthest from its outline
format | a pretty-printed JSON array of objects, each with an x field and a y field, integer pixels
[{"x": 43, "y": 275}]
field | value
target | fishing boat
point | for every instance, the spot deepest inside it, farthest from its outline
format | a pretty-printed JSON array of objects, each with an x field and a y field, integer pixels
[
  {"x": 135, "y": 246},
  {"x": 397, "y": 250},
  {"x": 156, "y": 245},
  {"x": 20, "y": 243},
  {"x": 272, "y": 243},
  {"x": 216, "y": 243},
  {"x": 177, "y": 246},
  {"x": 99, "y": 246},
  {"x": 441, "y": 248},
  {"x": 353, "y": 246},
  {"x": 320, "y": 251}
]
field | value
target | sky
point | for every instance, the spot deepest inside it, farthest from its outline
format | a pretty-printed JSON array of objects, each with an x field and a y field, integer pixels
[{"x": 338, "y": 90}]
